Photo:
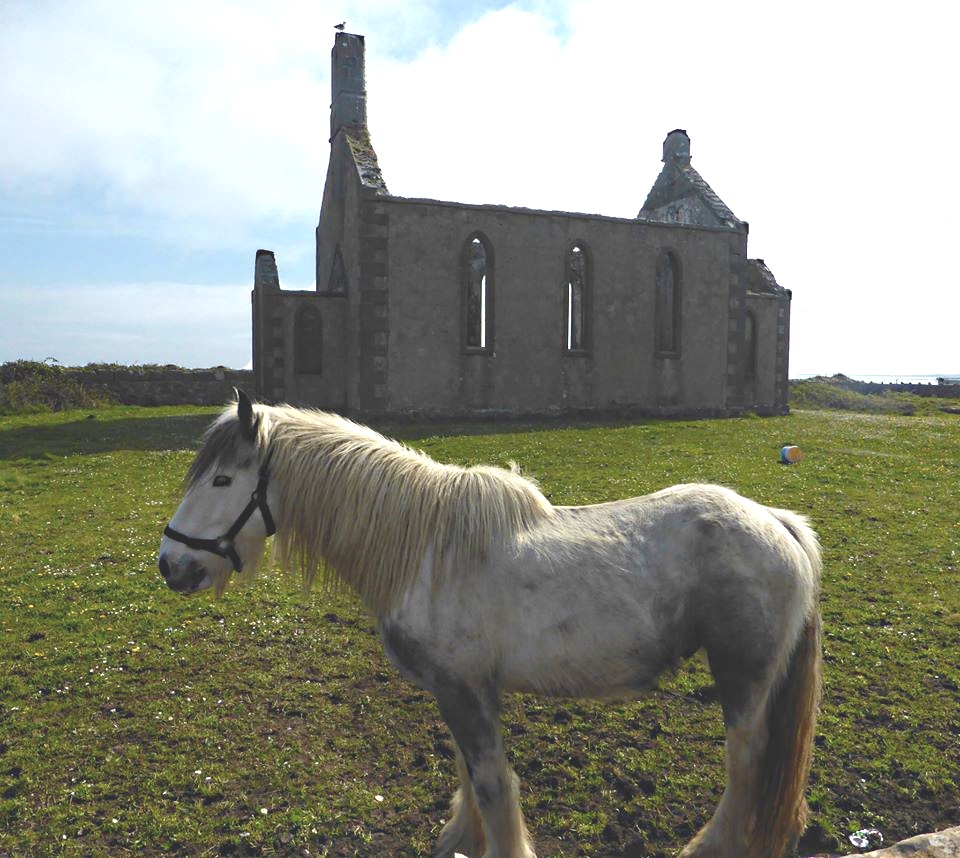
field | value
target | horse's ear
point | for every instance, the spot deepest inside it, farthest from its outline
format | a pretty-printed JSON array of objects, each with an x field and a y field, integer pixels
[{"x": 248, "y": 423}]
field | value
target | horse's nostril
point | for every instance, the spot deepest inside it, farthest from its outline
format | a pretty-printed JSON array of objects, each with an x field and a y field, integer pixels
[
  {"x": 164, "y": 568},
  {"x": 197, "y": 576}
]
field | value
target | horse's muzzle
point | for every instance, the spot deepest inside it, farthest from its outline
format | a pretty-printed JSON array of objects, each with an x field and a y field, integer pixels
[{"x": 185, "y": 578}]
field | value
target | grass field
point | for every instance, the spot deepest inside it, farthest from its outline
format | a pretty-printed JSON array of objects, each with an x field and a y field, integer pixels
[{"x": 133, "y": 721}]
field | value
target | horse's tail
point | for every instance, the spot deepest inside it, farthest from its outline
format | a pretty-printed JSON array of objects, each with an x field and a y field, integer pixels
[{"x": 791, "y": 720}]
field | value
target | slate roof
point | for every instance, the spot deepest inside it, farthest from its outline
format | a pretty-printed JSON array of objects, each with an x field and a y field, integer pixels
[
  {"x": 681, "y": 195},
  {"x": 761, "y": 279},
  {"x": 717, "y": 206},
  {"x": 365, "y": 158}
]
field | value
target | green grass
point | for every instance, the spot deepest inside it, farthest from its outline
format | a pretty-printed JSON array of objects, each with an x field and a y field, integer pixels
[
  {"x": 832, "y": 393},
  {"x": 133, "y": 721}
]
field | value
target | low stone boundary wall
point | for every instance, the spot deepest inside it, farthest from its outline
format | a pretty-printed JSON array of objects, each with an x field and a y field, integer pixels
[
  {"x": 873, "y": 387},
  {"x": 164, "y": 385}
]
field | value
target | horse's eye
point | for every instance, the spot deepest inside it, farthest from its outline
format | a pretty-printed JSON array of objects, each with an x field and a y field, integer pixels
[{"x": 221, "y": 480}]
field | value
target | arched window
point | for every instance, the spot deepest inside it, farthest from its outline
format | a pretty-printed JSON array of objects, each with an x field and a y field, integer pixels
[
  {"x": 308, "y": 341},
  {"x": 577, "y": 300},
  {"x": 668, "y": 305},
  {"x": 478, "y": 294},
  {"x": 750, "y": 345}
]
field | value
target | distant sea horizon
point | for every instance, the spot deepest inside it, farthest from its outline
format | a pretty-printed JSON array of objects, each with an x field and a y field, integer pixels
[{"x": 905, "y": 378}]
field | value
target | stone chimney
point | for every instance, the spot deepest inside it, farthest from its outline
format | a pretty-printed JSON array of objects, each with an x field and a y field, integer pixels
[
  {"x": 348, "y": 106},
  {"x": 265, "y": 274},
  {"x": 676, "y": 148}
]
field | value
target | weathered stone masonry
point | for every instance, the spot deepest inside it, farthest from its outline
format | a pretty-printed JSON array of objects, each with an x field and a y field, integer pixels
[
  {"x": 162, "y": 385},
  {"x": 665, "y": 313}
]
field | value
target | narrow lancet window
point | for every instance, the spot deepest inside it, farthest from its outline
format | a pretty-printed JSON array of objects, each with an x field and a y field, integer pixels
[
  {"x": 668, "y": 305},
  {"x": 478, "y": 294},
  {"x": 750, "y": 345},
  {"x": 576, "y": 297},
  {"x": 337, "y": 283}
]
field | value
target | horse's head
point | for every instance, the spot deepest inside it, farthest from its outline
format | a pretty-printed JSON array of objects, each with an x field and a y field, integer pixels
[{"x": 225, "y": 515}]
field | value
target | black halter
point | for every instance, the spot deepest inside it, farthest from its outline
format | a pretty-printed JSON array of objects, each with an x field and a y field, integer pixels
[{"x": 224, "y": 546}]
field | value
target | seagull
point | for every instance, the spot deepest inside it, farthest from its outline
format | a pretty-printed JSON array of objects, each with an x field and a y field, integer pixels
[{"x": 340, "y": 26}]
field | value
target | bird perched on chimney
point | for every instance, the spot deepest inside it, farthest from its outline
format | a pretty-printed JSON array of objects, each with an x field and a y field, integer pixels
[{"x": 340, "y": 26}]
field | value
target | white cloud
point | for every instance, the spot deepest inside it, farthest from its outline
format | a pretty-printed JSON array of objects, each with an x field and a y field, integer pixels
[{"x": 194, "y": 110}]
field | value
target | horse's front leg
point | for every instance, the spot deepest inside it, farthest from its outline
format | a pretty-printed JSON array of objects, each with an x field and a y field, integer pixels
[
  {"x": 473, "y": 719},
  {"x": 464, "y": 832}
]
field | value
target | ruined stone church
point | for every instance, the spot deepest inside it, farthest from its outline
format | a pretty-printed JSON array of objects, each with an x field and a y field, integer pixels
[{"x": 432, "y": 308}]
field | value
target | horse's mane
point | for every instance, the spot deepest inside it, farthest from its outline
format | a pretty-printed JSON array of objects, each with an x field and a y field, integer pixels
[{"x": 369, "y": 509}]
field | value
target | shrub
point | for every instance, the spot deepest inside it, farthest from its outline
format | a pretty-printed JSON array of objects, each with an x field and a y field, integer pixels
[
  {"x": 817, "y": 394},
  {"x": 28, "y": 387}
]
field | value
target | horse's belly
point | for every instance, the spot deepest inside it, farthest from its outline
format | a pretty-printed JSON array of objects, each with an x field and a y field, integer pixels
[
  {"x": 588, "y": 659},
  {"x": 549, "y": 630}
]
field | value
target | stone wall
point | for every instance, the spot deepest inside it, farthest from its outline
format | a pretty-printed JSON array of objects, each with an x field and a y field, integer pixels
[
  {"x": 164, "y": 385},
  {"x": 527, "y": 368},
  {"x": 947, "y": 390},
  {"x": 390, "y": 340},
  {"x": 874, "y": 387}
]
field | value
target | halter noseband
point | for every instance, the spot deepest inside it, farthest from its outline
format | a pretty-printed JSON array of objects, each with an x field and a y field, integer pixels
[{"x": 224, "y": 546}]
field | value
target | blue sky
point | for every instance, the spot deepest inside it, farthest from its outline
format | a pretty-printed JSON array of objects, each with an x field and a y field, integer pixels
[{"x": 150, "y": 149}]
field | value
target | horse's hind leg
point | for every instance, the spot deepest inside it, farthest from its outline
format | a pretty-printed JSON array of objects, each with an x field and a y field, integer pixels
[
  {"x": 770, "y": 720},
  {"x": 473, "y": 719},
  {"x": 464, "y": 832},
  {"x": 727, "y": 832}
]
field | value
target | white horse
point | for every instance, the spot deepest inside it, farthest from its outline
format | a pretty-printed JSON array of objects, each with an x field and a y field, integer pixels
[{"x": 479, "y": 586}]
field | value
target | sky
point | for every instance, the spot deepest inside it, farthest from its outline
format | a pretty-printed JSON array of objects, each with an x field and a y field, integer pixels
[{"x": 147, "y": 150}]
